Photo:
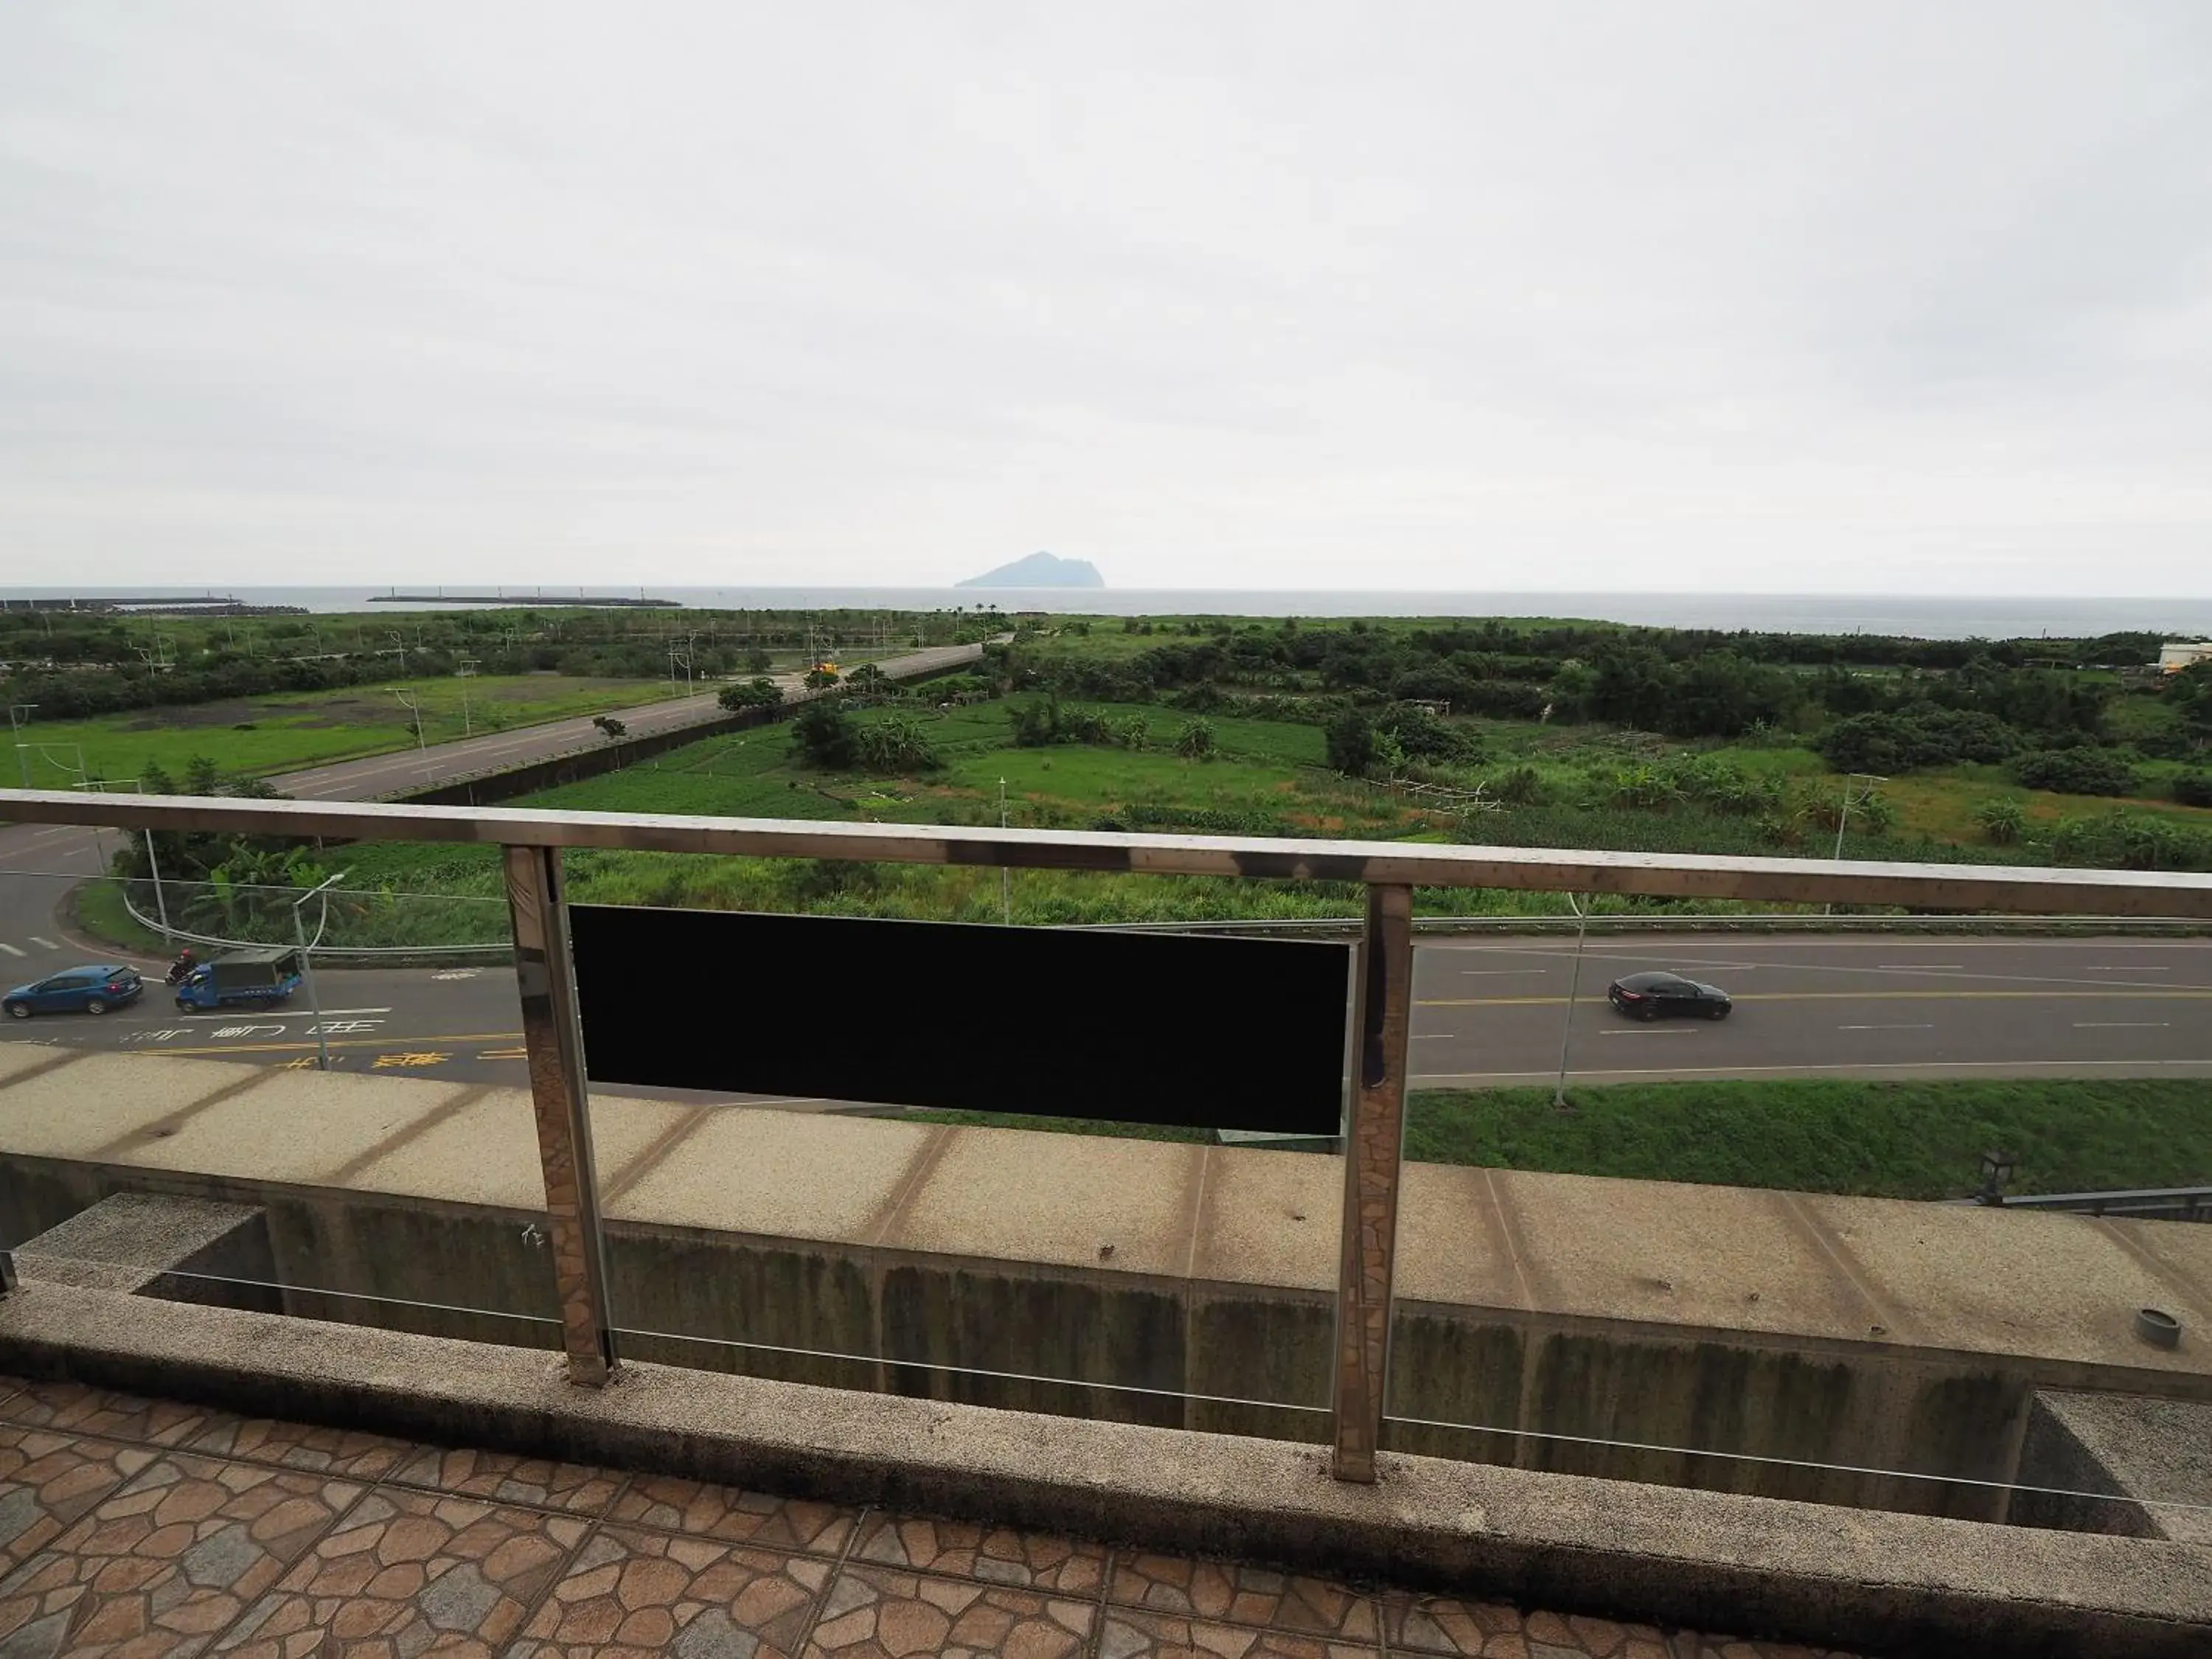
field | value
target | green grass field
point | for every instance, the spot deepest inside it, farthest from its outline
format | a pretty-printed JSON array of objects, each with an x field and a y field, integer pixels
[
  {"x": 260, "y": 736},
  {"x": 1914, "y": 1140}
]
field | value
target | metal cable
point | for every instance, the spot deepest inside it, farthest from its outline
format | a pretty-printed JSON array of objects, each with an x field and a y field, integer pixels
[{"x": 1796, "y": 1463}]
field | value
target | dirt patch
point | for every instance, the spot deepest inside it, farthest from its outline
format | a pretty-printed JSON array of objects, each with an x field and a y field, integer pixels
[{"x": 196, "y": 714}]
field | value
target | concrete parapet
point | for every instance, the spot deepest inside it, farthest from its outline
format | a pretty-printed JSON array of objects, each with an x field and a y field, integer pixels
[
  {"x": 1905, "y": 1585},
  {"x": 1851, "y": 1350}
]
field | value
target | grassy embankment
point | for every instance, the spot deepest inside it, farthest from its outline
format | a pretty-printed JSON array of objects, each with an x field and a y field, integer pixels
[
  {"x": 1268, "y": 779},
  {"x": 1916, "y": 1141}
]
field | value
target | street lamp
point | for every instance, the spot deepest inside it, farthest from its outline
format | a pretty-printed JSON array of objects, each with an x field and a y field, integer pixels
[
  {"x": 307, "y": 960},
  {"x": 1844, "y": 814},
  {"x": 421, "y": 743},
  {"x": 19, "y": 716},
  {"x": 1582, "y": 909}
]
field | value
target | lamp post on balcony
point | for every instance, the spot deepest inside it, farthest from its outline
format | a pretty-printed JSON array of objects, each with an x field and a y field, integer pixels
[{"x": 1996, "y": 1169}]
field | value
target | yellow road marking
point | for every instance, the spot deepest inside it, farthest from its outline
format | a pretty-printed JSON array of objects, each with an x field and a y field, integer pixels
[{"x": 2150, "y": 994}]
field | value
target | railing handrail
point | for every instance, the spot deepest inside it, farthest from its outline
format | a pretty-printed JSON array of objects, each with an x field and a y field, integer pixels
[{"x": 2009, "y": 889}]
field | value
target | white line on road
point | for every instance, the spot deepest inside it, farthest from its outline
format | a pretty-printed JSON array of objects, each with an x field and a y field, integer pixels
[
  {"x": 9, "y": 949},
  {"x": 46, "y": 943},
  {"x": 1492, "y": 973},
  {"x": 1657, "y": 1031},
  {"x": 2120, "y": 1024},
  {"x": 329, "y": 1013},
  {"x": 1925, "y": 1027},
  {"x": 2121, "y": 968},
  {"x": 1917, "y": 967}
]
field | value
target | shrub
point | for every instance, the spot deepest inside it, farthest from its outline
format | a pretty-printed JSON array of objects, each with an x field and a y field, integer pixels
[
  {"x": 1195, "y": 741},
  {"x": 896, "y": 743},
  {"x": 2193, "y": 789},
  {"x": 2123, "y": 840},
  {"x": 2074, "y": 772},
  {"x": 2002, "y": 819},
  {"x": 1522, "y": 787},
  {"x": 758, "y": 693}
]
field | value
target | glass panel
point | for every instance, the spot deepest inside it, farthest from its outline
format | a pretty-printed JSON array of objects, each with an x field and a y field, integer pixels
[
  {"x": 191, "y": 1135},
  {"x": 1739, "y": 1247}
]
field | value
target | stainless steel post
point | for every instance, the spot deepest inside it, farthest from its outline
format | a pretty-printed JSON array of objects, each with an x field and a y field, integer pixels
[
  {"x": 1374, "y": 1146},
  {"x": 556, "y": 1048},
  {"x": 160, "y": 899}
]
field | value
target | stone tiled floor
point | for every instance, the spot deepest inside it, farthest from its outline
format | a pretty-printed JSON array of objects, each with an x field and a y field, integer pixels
[{"x": 144, "y": 1529}]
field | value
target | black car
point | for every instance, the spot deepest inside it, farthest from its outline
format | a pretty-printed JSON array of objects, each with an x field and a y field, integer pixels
[{"x": 1660, "y": 996}]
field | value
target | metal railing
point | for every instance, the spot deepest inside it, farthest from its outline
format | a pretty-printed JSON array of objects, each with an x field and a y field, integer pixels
[
  {"x": 2141, "y": 1203},
  {"x": 1375, "y": 1126}
]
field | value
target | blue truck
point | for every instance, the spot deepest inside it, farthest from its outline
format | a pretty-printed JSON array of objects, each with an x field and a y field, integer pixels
[{"x": 244, "y": 978}]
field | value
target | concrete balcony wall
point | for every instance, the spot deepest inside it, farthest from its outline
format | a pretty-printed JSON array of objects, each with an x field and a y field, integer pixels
[{"x": 1858, "y": 1333}]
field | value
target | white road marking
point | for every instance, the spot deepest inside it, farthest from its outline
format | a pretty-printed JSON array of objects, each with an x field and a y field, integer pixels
[
  {"x": 2120, "y": 1024},
  {"x": 47, "y": 943},
  {"x": 2018, "y": 1068},
  {"x": 1657, "y": 1031},
  {"x": 2121, "y": 968},
  {"x": 332, "y": 1013},
  {"x": 1886, "y": 1028},
  {"x": 1920, "y": 967},
  {"x": 1434, "y": 1036},
  {"x": 9, "y": 949},
  {"x": 1492, "y": 973}
]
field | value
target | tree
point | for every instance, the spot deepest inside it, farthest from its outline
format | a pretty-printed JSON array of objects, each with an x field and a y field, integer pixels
[
  {"x": 202, "y": 776},
  {"x": 821, "y": 679},
  {"x": 821, "y": 735},
  {"x": 1351, "y": 740},
  {"x": 762, "y": 693},
  {"x": 756, "y": 662}
]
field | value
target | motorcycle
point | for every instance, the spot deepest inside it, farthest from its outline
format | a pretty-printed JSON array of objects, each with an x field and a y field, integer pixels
[{"x": 181, "y": 969}]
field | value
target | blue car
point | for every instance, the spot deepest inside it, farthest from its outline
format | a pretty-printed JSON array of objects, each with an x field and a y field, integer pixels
[{"x": 74, "y": 991}]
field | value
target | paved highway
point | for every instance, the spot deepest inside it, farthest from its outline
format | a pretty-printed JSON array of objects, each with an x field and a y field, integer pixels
[
  {"x": 39, "y": 863},
  {"x": 1488, "y": 1012}
]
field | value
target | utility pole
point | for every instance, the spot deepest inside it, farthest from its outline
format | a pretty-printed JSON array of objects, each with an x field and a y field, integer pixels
[{"x": 468, "y": 666}]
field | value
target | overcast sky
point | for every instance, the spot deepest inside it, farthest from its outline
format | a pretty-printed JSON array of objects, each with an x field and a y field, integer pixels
[{"x": 1860, "y": 297}]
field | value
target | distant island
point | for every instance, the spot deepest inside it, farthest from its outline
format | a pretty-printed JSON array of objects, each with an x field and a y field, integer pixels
[{"x": 1039, "y": 570}]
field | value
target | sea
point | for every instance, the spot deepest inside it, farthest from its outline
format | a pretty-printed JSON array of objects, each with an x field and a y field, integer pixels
[{"x": 1996, "y": 618}]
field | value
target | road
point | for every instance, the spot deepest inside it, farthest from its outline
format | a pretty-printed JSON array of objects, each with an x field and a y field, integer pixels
[
  {"x": 1488, "y": 1012},
  {"x": 39, "y": 863}
]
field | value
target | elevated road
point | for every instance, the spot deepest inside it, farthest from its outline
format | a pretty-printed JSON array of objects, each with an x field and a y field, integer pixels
[{"x": 39, "y": 863}]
